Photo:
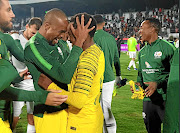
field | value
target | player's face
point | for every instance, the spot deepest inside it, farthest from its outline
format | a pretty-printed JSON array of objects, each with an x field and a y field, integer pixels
[
  {"x": 57, "y": 30},
  {"x": 31, "y": 30},
  {"x": 6, "y": 16},
  {"x": 145, "y": 31}
]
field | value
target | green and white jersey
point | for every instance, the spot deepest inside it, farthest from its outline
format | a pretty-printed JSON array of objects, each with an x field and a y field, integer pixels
[
  {"x": 154, "y": 63},
  {"x": 132, "y": 44},
  {"x": 108, "y": 45}
]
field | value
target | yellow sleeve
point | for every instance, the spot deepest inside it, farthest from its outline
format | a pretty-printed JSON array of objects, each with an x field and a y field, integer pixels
[{"x": 75, "y": 99}]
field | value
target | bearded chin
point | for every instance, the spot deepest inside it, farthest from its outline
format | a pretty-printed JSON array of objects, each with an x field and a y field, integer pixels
[{"x": 5, "y": 27}]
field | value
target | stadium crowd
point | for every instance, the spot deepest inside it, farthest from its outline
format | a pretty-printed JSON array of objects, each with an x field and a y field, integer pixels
[{"x": 72, "y": 89}]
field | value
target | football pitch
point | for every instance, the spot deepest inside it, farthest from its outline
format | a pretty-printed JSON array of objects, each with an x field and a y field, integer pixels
[{"x": 127, "y": 112}]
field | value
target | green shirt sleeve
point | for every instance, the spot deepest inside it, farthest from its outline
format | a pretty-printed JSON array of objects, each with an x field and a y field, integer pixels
[
  {"x": 43, "y": 61},
  {"x": 14, "y": 47},
  {"x": 11, "y": 93},
  {"x": 116, "y": 61},
  {"x": 169, "y": 52},
  {"x": 7, "y": 74}
]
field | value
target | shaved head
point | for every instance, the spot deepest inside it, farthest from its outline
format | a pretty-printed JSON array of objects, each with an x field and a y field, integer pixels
[
  {"x": 54, "y": 25},
  {"x": 54, "y": 15}
]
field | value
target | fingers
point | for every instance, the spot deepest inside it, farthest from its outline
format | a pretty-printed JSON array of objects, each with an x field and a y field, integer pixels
[
  {"x": 72, "y": 28},
  {"x": 91, "y": 29},
  {"x": 82, "y": 20},
  {"x": 77, "y": 21},
  {"x": 132, "y": 90},
  {"x": 89, "y": 22},
  {"x": 54, "y": 99}
]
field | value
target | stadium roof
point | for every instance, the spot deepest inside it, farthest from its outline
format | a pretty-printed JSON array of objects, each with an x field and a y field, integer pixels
[
  {"x": 18, "y": 2},
  {"x": 71, "y": 7}
]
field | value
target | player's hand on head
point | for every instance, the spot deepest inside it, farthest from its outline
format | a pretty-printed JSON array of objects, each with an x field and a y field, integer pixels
[
  {"x": 53, "y": 99},
  {"x": 82, "y": 31}
]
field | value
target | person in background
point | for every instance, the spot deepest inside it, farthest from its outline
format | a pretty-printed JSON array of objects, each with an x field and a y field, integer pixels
[
  {"x": 31, "y": 28},
  {"x": 153, "y": 72},
  {"x": 108, "y": 44},
  {"x": 132, "y": 47}
]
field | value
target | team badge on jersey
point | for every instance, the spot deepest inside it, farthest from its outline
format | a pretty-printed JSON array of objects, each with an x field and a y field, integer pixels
[
  {"x": 157, "y": 54},
  {"x": 148, "y": 65}
]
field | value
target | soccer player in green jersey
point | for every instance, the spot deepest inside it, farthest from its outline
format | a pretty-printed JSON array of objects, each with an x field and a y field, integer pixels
[
  {"x": 108, "y": 44},
  {"x": 153, "y": 72},
  {"x": 171, "y": 118}
]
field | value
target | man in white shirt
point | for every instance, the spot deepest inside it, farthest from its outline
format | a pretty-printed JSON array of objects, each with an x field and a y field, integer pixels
[{"x": 31, "y": 28}]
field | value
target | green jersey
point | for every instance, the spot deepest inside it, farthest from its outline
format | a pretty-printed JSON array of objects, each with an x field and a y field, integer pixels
[
  {"x": 63, "y": 49},
  {"x": 154, "y": 64},
  {"x": 132, "y": 44},
  {"x": 108, "y": 45},
  {"x": 171, "y": 119},
  {"x": 40, "y": 57},
  {"x": 13, "y": 46},
  {"x": 7, "y": 74}
]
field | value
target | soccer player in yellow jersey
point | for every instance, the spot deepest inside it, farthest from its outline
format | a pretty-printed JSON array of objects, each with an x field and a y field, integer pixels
[{"x": 84, "y": 112}]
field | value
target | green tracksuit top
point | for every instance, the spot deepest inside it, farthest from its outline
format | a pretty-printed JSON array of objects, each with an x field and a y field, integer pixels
[
  {"x": 40, "y": 57},
  {"x": 7, "y": 74},
  {"x": 63, "y": 49},
  {"x": 108, "y": 44},
  {"x": 171, "y": 119},
  {"x": 154, "y": 64},
  {"x": 13, "y": 46}
]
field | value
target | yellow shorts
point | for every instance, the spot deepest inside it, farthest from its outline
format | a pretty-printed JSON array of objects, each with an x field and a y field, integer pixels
[
  {"x": 51, "y": 122},
  {"x": 4, "y": 127}
]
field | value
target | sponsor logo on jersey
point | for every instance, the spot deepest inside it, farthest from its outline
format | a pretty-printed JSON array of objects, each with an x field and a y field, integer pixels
[
  {"x": 157, "y": 54},
  {"x": 148, "y": 65}
]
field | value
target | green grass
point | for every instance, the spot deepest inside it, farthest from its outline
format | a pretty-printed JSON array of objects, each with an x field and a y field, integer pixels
[{"x": 127, "y": 112}]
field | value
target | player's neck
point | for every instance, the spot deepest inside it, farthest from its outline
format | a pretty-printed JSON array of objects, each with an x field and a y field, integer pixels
[
  {"x": 87, "y": 43},
  {"x": 153, "y": 38},
  {"x": 25, "y": 34}
]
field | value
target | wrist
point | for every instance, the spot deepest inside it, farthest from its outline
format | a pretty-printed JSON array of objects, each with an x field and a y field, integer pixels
[{"x": 79, "y": 43}]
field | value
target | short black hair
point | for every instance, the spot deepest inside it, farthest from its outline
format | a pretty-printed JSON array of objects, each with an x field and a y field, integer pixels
[
  {"x": 35, "y": 20},
  {"x": 86, "y": 19},
  {"x": 99, "y": 19},
  {"x": 155, "y": 23}
]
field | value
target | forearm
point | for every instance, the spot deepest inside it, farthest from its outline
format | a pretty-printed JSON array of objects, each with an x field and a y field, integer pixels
[
  {"x": 15, "y": 94},
  {"x": 52, "y": 66},
  {"x": 16, "y": 51},
  {"x": 75, "y": 99}
]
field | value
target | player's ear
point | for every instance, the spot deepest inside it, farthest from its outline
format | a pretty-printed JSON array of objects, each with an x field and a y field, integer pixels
[{"x": 47, "y": 26}]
